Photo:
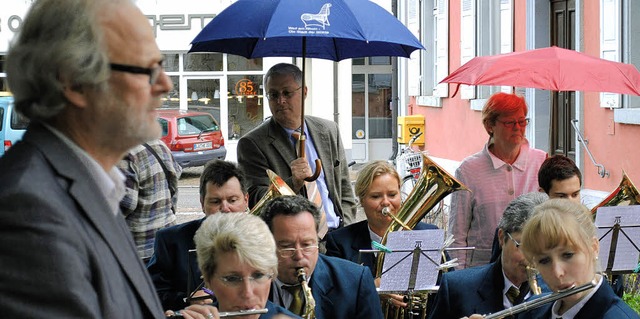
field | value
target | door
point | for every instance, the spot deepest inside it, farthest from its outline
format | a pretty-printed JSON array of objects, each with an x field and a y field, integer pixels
[
  {"x": 563, "y": 103},
  {"x": 371, "y": 109}
]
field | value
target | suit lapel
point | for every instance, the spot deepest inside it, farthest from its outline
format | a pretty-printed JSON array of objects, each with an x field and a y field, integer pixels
[
  {"x": 320, "y": 133},
  {"x": 491, "y": 287},
  {"x": 321, "y": 285},
  {"x": 362, "y": 240},
  {"x": 112, "y": 229},
  {"x": 281, "y": 142}
]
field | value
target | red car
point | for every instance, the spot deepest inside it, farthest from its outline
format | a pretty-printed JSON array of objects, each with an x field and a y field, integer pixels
[{"x": 194, "y": 138}]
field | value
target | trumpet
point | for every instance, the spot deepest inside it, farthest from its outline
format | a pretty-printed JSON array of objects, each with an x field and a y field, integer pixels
[{"x": 535, "y": 303}]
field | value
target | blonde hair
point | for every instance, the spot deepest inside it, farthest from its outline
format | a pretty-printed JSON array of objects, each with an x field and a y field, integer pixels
[
  {"x": 244, "y": 234},
  {"x": 500, "y": 104},
  {"x": 559, "y": 222},
  {"x": 369, "y": 172}
]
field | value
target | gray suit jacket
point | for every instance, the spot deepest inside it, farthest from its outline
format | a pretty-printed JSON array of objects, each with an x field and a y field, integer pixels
[
  {"x": 64, "y": 253},
  {"x": 269, "y": 147}
]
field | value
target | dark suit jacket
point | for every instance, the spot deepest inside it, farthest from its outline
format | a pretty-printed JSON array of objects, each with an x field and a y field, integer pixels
[
  {"x": 342, "y": 290},
  {"x": 64, "y": 253},
  {"x": 346, "y": 243},
  {"x": 268, "y": 147},
  {"x": 476, "y": 290},
  {"x": 604, "y": 304},
  {"x": 169, "y": 266}
]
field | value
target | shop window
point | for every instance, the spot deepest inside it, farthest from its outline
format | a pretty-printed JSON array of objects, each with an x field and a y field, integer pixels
[
  {"x": 172, "y": 99},
  {"x": 245, "y": 102},
  {"x": 203, "y": 62},
  {"x": 171, "y": 62},
  {"x": 238, "y": 63}
]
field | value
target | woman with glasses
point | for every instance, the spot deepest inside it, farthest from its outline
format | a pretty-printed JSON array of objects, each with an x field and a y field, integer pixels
[
  {"x": 238, "y": 261},
  {"x": 504, "y": 169},
  {"x": 377, "y": 187},
  {"x": 561, "y": 242}
]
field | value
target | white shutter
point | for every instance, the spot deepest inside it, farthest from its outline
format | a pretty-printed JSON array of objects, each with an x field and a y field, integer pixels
[
  {"x": 506, "y": 33},
  {"x": 413, "y": 64},
  {"x": 610, "y": 36},
  {"x": 467, "y": 42},
  {"x": 441, "y": 34}
]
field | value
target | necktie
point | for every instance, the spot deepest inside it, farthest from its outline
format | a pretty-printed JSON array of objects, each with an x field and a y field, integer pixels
[
  {"x": 512, "y": 294},
  {"x": 296, "y": 305}
]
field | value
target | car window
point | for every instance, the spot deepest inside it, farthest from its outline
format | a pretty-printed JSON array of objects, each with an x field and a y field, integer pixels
[
  {"x": 19, "y": 121},
  {"x": 1, "y": 118},
  {"x": 190, "y": 125},
  {"x": 164, "y": 125}
]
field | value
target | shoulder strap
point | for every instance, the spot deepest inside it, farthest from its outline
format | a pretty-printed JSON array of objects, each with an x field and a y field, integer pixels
[{"x": 172, "y": 189}]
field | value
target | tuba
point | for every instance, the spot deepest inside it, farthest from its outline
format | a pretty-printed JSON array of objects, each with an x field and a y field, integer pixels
[
  {"x": 625, "y": 194},
  {"x": 433, "y": 185},
  {"x": 277, "y": 188}
]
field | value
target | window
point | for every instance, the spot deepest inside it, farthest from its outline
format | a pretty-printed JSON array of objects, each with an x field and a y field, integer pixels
[
  {"x": 433, "y": 17},
  {"x": 203, "y": 62},
  {"x": 619, "y": 41}
]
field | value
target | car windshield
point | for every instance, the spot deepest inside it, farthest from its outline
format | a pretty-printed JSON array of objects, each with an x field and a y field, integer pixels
[{"x": 196, "y": 124}]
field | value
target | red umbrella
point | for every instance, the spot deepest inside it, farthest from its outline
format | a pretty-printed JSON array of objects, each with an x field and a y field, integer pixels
[{"x": 550, "y": 69}]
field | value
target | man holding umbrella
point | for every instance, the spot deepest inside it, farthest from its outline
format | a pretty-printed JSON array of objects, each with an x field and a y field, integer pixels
[{"x": 272, "y": 145}]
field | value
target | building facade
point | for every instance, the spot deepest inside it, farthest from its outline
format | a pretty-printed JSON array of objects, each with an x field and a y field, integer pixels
[
  {"x": 230, "y": 87},
  {"x": 457, "y": 30}
]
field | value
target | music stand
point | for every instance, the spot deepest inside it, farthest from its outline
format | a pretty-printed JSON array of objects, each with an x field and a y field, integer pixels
[
  {"x": 618, "y": 230},
  {"x": 414, "y": 263},
  {"x": 191, "y": 254}
]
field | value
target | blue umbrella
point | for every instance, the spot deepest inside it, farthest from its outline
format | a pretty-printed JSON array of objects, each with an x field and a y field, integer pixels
[
  {"x": 332, "y": 29},
  {"x": 325, "y": 29}
]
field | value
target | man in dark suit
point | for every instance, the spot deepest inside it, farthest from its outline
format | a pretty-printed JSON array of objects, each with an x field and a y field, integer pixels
[
  {"x": 88, "y": 75},
  {"x": 271, "y": 146},
  {"x": 498, "y": 285},
  {"x": 341, "y": 289},
  {"x": 173, "y": 269}
]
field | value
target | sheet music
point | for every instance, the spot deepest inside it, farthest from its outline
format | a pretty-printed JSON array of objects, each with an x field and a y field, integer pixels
[
  {"x": 626, "y": 255},
  {"x": 397, "y": 278}
]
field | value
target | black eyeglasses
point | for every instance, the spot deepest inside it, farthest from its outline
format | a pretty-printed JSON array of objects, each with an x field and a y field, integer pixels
[
  {"x": 511, "y": 124},
  {"x": 514, "y": 241},
  {"x": 153, "y": 73},
  {"x": 274, "y": 96}
]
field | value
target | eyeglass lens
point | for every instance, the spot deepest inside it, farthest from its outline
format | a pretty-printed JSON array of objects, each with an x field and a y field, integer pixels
[
  {"x": 286, "y": 94},
  {"x": 235, "y": 280},
  {"x": 521, "y": 123},
  {"x": 290, "y": 252}
]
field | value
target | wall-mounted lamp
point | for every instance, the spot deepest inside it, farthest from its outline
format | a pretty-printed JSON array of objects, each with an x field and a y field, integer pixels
[
  {"x": 216, "y": 94},
  {"x": 194, "y": 96}
]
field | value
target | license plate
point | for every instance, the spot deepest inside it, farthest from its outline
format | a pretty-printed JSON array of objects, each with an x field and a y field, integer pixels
[{"x": 201, "y": 146}]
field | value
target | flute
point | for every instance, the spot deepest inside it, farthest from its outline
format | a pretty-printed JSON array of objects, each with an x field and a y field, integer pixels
[
  {"x": 229, "y": 313},
  {"x": 535, "y": 303}
]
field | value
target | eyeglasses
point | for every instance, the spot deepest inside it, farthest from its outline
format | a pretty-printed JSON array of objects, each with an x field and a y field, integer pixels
[
  {"x": 514, "y": 241},
  {"x": 236, "y": 281},
  {"x": 274, "y": 96},
  {"x": 290, "y": 252},
  {"x": 511, "y": 124},
  {"x": 153, "y": 73}
]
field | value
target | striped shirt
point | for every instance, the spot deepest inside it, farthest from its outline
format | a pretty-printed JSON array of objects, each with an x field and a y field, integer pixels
[{"x": 493, "y": 183}]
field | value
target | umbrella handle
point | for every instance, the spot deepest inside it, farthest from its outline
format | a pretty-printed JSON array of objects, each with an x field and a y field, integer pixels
[{"x": 316, "y": 174}]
